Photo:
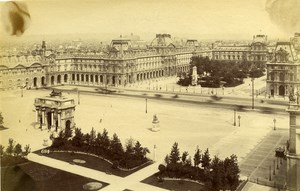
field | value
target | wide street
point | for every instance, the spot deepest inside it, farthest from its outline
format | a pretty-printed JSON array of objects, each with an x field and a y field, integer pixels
[{"x": 189, "y": 123}]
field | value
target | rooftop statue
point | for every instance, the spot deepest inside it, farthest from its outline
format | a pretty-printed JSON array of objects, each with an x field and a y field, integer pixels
[{"x": 55, "y": 93}]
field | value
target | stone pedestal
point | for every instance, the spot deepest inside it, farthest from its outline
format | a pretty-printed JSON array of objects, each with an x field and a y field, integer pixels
[
  {"x": 194, "y": 76},
  {"x": 155, "y": 124},
  {"x": 293, "y": 155}
]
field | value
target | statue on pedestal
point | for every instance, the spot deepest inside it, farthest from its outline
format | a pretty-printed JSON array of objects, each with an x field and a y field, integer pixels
[
  {"x": 155, "y": 123},
  {"x": 194, "y": 76}
]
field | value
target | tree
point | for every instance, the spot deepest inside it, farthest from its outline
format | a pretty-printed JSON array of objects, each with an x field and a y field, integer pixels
[
  {"x": 206, "y": 159},
  {"x": 184, "y": 156},
  {"x": 174, "y": 155},
  {"x": 105, "y": 142},
  {"x": 161, "y": 169},
  {"x": 67, "y": 133},
  {"x": 167, "y": 159},
  {"x": 26, "y": 150},
  {"x": 1, "y": 150},
  {"x": 1, "y": 120},
  {"x": 189, "y": 161},
  {"x": 197, "y": 157},
  {"x": 116, "y": 147},
  {"x": 232, "y": 171},
  {"x": 59, "y": 141},
  {"x": 77, "y": 140},
  {"x": 18, "y": 150},
  {"x": 10, "y": 148},
  {"x": 92, "y": 137},
  {"x": 129, "y": 148},
  {"x": 217, "y": 173}
]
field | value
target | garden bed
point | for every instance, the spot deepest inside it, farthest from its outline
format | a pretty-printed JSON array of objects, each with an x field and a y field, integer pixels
[
  {"x": 176, "y": 185},
  {"x": 32, "y": 176},
  {"x": 92, "y": 162}
]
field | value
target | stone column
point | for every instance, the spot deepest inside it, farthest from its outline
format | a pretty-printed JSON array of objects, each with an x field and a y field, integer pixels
[
  {"x": 52, "y": 119},
  {"x": 43, "y": 117},
  {"x": 37, "y": 116},
  {"x": 58, "y": 119}
]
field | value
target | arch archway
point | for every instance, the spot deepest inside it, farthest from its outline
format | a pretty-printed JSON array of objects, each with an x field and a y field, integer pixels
[
  {"x": 34, "y": 81},
  {"x": 52, "y": 80},
  {"x": 65, "y": 78},
  {"x": 43, "y": 81},
  {"x": 59, "y": 79},
  {"x": 68, "y": 124},
  {"x": 114, "y": 80},
  {"x": 49, "y": 120},
  {"x": 281, "y": 90},
  {"x": 82, "y": 77}
]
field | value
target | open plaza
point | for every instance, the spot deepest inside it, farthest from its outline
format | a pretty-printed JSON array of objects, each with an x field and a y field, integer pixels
[{"x": 189, "y": 124}]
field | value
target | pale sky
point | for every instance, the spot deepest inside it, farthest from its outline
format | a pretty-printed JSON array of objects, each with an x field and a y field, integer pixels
[{"x": 198, "y": 19}]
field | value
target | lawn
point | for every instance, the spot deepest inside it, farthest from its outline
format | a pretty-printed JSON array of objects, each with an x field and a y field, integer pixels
[
  {"x": 91, "y": 162},
  {"x": 175, "y": 185},
  {"x": 33, "y": 177}
]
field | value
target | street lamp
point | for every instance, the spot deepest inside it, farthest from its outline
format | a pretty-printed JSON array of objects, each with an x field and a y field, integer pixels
[
  {"x": 274, "y": 168},
  {"x": 78, "y": 97},
  {"x": 239, "y": 117},
  {"x": 252, "y": 79},
  {"x": 146, "y": 105},
  {"x": 274, "y": 120},
  {"x": 270, "y": 175},
  {"x": 234, "y": 117}
]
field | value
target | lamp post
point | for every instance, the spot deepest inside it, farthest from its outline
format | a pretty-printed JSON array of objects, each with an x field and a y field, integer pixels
[
  {"x": 274, "y": 168},
  {"x": 234, "y": 117},
  {"x": 146, "y": 105},
  {"x": 252, "y": 79},
  {"x": 154, "y": 158},
  {"x": 270, "y": 175},
  {"x": 78, "y": 97},
  {"x": 22, "y": 91},
  {"x": 239, "y": 117},
  {"x": 274, "y": 120}
]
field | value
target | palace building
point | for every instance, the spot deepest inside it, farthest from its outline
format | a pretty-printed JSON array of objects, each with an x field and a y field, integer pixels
[
  {"x": 283, "y": 71},
  {"x": 121, "y": 64},
  {"x": 257, "y": 52}
]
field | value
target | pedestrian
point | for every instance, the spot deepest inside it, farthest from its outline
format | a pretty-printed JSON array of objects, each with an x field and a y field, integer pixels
[{"x": 100, "y": 120}]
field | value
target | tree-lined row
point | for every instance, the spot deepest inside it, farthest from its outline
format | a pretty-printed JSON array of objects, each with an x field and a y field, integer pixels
[
  {"x": 215, "y": 173},
  {"x": 102, "y": 145},
  {"x": 214, "y": 73},
  {"x": 13, "y": 154}
]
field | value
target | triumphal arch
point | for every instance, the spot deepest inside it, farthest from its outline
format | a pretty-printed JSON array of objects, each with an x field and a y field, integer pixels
[{"x": 54, "y": 112}]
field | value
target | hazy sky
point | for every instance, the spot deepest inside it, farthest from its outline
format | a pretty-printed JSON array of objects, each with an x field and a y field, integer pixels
[{"x": 199, "y": 19}]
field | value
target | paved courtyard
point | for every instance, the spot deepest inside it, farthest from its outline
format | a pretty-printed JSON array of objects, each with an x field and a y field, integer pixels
[{"x": 190, "y": 125}]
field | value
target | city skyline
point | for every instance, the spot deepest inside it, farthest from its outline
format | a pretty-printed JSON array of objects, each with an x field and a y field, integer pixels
[{"x": 230, "y": 19}]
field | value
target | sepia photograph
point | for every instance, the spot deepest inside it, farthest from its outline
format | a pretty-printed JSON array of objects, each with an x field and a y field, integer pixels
[{"x": 150, "y": 95}]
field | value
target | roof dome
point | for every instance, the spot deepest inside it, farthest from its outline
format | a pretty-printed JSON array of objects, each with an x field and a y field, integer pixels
[{"x": 162, "y": 40}]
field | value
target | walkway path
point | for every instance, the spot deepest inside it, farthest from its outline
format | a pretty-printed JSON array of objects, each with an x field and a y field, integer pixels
[{"x": 131, "y": 182}]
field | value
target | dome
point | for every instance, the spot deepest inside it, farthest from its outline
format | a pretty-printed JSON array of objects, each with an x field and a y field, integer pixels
[{"x": 162, "y": 40}]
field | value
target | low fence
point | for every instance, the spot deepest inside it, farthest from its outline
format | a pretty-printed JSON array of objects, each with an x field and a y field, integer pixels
[
  {"x": 266, "y": 182},
  {"x": 97, "y": 156}
]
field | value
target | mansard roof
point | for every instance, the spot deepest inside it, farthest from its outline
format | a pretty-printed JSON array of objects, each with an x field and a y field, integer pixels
[{"x": 20, "y": 61}]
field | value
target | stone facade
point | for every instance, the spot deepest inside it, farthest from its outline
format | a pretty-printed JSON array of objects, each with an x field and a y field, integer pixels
[
  {"x": 119, "y": 65},
  {"x": 257, "y": 52},
  {"x": 54, "y": 112},
  {"x": 283, "y": 71}
]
